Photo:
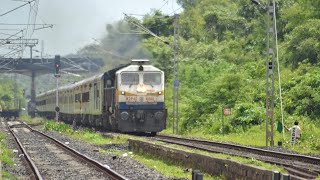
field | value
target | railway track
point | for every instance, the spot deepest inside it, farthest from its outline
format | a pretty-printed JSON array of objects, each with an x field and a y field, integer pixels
[
  {"x": 49, "y": 158},
  {"x": 298, "y": 166}
]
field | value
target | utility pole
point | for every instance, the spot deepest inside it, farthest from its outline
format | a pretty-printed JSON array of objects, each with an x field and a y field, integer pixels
[
  {"x": 57, "y": 98},
  {"x": 33, "y": 85},
  {"x": 271, "y": 41},
  {"x": 176, "y": 84},
  {"x": 15, "y": 86},
  {"x": 57, "y": 66}
]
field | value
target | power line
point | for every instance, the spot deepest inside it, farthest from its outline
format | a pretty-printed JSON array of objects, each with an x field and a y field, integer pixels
[
  {"x": 11, "y": 36},
  {"x": 7, "y": 34},
  {"x": 23, "y": 24},
  {"x": 166, "y": 2},
  {"x": 28, "y": 21},
  {"x": 29, "y": 2},
  {"x": 174, "y": 11},
  {"x": 139, "y": 25},
  {"x": 9, "y": 29},
  {"x": 36, "y": 12}
]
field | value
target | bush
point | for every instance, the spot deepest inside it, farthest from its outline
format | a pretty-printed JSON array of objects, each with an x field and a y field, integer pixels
[{"x": 247, "y": 114}]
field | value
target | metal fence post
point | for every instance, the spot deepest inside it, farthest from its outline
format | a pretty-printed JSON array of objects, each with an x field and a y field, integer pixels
[
  {"x": 194, "y": 174},
  {"x": 285, "y": 177},
  {"x": 199, "y": 176},
  {"x": 276, "y": 175}
]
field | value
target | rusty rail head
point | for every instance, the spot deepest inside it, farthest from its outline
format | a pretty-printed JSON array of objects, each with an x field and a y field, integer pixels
[
  {"x": 282, "y": 155},
  {"x": 32, "y": 165},
  {"x": 113, "y": 174}
]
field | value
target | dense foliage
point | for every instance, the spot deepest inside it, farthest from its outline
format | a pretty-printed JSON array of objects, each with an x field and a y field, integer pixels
[
  {"x": 7, "y": 95},
  {"x": 222, "y": 60}
]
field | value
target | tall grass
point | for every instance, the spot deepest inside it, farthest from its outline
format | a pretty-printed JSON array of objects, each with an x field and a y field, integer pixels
[
  {"x": 85, "y": 134},
  {"x": 6, "y": 158},
  {"x": 255, "y": 135},
  {"x": 32, "y": 121}
]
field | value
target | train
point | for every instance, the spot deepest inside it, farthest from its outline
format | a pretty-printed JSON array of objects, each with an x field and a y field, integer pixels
[
  {"x": 129, "y": 99},
  {"x": 9, "y": 112}
]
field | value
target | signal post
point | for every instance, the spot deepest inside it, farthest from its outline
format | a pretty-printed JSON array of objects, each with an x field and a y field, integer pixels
[{"x": 57, "y": 66}]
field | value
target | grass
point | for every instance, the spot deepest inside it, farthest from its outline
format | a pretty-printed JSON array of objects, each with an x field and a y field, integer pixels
[
  {"x": 247, "y": 161},
  {"x": 165, "y": 167},
  {"x": 84, "y": 134},
  {"x": 255, "y": 135},
  {"x": 32, "y": 121},
  {"x": 169, "y": 168},
  {"x": 6, "y": 158}
]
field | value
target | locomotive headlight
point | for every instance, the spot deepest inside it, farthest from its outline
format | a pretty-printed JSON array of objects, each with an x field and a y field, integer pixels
[
  {"x": 124, "y": 115},
  {"x": 123, "y": 93},
  {"x": 159, "y": 115},
  {"x": 159, "y": 92}
]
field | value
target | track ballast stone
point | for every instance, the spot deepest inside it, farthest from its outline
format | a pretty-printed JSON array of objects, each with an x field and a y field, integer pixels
[{"x": 125, "y": 166}]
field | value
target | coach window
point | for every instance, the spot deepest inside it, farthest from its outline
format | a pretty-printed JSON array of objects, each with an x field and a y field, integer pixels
[
  {"x": 95, "y": 95},
  {"x": 129, "y": 78},
  {"x": 85, "y": 97},
  {"x": 77, "y": 98}
]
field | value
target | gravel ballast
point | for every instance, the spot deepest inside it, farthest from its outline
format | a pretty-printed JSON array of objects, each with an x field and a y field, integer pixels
[{"x": 126, "y": 166}]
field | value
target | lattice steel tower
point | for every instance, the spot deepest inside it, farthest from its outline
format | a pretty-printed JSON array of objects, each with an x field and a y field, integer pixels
[{"x": 271, "y": 42}]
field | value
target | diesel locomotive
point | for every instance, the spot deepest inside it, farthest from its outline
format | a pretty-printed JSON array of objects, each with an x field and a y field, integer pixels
[{"x": 129, "y": 98}]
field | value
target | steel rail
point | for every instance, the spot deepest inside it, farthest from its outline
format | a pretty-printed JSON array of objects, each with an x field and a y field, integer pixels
[
  {"x": 32, "y": 165},
  {"x": 281, "y": 155},
  {"x": 297, "y": 171},
  {"x": 113, "y": 174}
]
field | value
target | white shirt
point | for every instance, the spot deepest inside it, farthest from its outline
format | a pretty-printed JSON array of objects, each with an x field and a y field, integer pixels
[{"x": 298, "y": 130}]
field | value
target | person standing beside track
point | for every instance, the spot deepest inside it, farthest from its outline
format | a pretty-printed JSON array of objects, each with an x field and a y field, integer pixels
[{"x": 295, "y": 132}]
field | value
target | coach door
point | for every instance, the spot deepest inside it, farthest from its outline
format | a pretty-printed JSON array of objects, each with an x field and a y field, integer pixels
[{"x": 109, "y": 96}]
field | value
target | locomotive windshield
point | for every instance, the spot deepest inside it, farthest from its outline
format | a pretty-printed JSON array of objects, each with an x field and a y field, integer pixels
[
  {"x": 152, "y": 78},
  {"x": 129, "y": 78}
]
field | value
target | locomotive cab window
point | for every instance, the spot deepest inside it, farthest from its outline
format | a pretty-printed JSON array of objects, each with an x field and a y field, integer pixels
[
  {"x": 129, "y": 78},
  {"x": 152, "y": 78},
  {"x": 109, "y": 83}
]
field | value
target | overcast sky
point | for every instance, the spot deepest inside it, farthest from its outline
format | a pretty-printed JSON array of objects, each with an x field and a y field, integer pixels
[{"x": 76, "y": 22}]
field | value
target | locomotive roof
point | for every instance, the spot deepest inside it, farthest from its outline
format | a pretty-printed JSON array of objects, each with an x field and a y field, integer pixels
[
  {"x": 109, "y": 73},
  {"x": 135, "y": 68}
]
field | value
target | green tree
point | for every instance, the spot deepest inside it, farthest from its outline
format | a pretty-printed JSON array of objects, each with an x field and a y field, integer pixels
[{"x": 304, "y": 43}]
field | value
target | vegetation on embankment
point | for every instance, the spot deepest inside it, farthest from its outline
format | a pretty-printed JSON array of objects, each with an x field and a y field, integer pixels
[
  {"x": 88, "y": 135},
  {"x": 6, "y": 158},
  {"x": 7, "y": 89},
  {"x": 222, "y": 62}
]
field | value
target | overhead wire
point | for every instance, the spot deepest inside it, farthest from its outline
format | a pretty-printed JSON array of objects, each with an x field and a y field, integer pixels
[
  {"x": 26, "y": 32},
  {"x": 175, "y": 11},
  {"x": 7, "y": 34},
  {"x": 137, "y": 24},
  {"x": 279, "y": 76},
  {"x": 9, "y": 29},
  {"x": 166, "y": 2},
  {"x": 36, "y": 13},
  {"x": 10, "y": 37},
  {"x": 22, "y": 24},
  {"x": 29, "y": 2},
  {"x": 44, "y": 25}
]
